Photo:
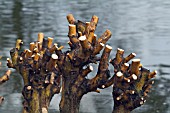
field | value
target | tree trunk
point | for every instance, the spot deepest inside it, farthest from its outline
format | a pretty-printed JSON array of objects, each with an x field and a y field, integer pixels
[
  {"x": 70, "y": 100},
  {"x": 70, "y": 103},
  {"x": 36, "y": 101},
  {"x": 120, "y": 109}
]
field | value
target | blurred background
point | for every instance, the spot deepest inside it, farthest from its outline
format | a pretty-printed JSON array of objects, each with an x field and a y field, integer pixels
[{"x": 137, "y": 26}]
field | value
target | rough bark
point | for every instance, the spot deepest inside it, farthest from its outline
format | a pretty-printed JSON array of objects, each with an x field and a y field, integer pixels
[
  {"x": 120, "y": 109},
  {"x": 75, "y": 63},
  {"x": 40, "y": 73},
  {"x": 132, "y": 82}
]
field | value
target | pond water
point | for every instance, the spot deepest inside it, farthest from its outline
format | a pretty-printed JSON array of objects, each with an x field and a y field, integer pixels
[{"x": 137, "y": 26}]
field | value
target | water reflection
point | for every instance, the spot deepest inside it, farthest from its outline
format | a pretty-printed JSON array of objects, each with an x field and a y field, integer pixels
[
  {"x": 17, "y": 18},
  {"x": 137, "y": 26}
]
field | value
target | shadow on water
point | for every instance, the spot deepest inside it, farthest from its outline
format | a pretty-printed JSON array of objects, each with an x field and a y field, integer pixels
[{"x": 137, "y": 26}]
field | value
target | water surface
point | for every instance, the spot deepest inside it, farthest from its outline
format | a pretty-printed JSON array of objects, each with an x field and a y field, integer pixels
[{"x": 137, "y": 26}]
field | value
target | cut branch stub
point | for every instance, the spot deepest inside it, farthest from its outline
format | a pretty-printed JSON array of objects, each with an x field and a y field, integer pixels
[
  {"x": 95, "y": 19},
  {"x": 40, "y": 40},
  {"x": 124, "y": 67},
  {"x": 71, "y": 19},
  {"x": 98, "y": 48},
  {"x": 9, "y": 63},
  {"x": 72, "y": 35},
  {"x": 50, "y": 41},
  {"x": 18, "y": 43},
  {"x": 119, "y": 55},
  {"x": 40, "y": 37},
  {"x": 84, "y": 43},
  {"x": 72, "y": 30},
  {"x": 129, "y": 57},
  {"x": 134, "y": 69},
  {"x": 5, "y": 77},
  {"x": 53, "y": 48},
  {"x": 86, "y": 71},
  {"x": 52, "y": 62},
  {"x": 105, "y": 37},
  {"x": 91, "y": 27}
]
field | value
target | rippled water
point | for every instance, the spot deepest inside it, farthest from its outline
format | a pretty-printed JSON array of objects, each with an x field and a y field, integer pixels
[{"x": 142, "y": 27}]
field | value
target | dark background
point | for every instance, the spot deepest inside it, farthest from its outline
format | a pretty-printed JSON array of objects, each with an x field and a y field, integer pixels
[{"x": 140, "y": 26}]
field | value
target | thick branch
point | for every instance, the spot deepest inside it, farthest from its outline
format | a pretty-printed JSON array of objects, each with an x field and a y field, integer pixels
[
  {"x": 71, "y": 19},
  {"x": 100, "y": 79},
  {"x": 5, "y": 77}
]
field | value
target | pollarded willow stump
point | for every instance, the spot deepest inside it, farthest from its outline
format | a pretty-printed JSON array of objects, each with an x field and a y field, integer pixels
[
  {"x": 40, "y": 73},
  {"x": 76, "y": 63},
  {"x": 131, "y": 83}
]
